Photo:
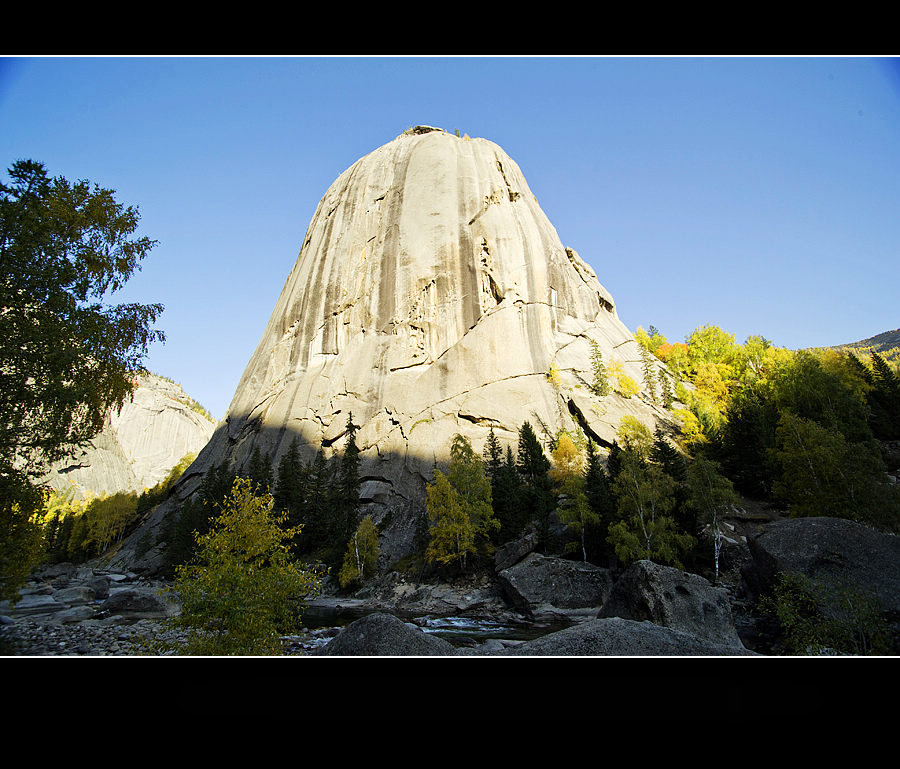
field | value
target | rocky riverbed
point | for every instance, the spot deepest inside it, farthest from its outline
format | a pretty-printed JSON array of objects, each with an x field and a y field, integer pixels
[{"x": 530, "y": 604}]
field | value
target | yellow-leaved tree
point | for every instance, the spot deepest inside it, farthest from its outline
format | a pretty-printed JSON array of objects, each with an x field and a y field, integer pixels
[{"x": 243, "y": 590}]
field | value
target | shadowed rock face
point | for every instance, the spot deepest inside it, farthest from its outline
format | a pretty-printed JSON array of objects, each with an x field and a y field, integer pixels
[{"x": 431, "y": 296}]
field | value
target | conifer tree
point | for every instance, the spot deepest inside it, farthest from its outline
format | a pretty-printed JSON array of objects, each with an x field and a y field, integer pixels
[
  {"x": 600, "y": 499},
  {"x": 259, "y": 470},
  {"x": 507, "y": 499},
  {"x": 600, "y": 384},
  {"x": 534, "y": 468},
  {"x": 493, "y": 458},
  {"x": 289, "y": 494},
  {"x": 346, "y": 490}
]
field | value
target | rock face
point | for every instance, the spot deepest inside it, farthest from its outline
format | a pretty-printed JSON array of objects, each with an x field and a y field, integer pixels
[
  {"x": 156, "y": 427},
  {"x": 431, "y": 296}
]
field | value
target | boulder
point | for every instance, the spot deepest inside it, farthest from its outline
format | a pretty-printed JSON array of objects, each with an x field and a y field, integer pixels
[
  {"x": 511, "y": 553},
  {"x": 545, "y": 585},
  {"x": 615, "y": 636},
  {"x": 833, "y": 550},
  {"x": 139, "y": 602},
  {"x": 385, "y": 635},
  {"x": 672, "y": 598},
  {"x": 76, "y": 595}
]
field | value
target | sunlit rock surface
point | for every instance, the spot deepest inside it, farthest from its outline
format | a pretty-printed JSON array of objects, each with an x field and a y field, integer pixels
[
  {"x": 431, "y": 296},
  {"x": 156, "y": 427}
]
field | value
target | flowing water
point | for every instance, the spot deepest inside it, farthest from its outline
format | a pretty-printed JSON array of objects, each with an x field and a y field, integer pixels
[{"x": 323, "y": 623}]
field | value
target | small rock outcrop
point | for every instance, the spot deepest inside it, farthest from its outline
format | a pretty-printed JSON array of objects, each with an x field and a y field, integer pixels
[
  {"x": 675, "y": 599},
  {"x": 158, "y": 425},
  {"x": 385, "y": 635}
]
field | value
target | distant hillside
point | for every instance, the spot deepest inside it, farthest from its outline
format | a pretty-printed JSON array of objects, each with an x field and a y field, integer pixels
[
  {"x": 880, "y": 343},
  {"x": 886, "y": 344}
]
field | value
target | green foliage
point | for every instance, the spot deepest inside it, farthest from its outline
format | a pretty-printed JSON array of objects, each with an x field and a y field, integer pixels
[
  {"x": 152, "y": 497},
  {"x": 452, "y": 534},
  {"x": 600, "y": 384},
  {"x": 711, "y": 495},
  {"x": 824, "y": 474},
  {"x": 507, "y": 492},
  {"x": 259, "y": 470},
  {"x": 244, "y": 590},
  {"x": 568, "y": 472},
  {"x": 345, "y": 499},
  {"x": 361, "y": 556},
  {"x": 460, "y": 508},
  {"x": 645, "y": 529},
  {"x": 538, "y": 498},
  {"x": 817, "y": 617},
  {"x": 601, "y": 501},
  {"x": 67, "y": 355},
  {"x": 21, "y": 538}
]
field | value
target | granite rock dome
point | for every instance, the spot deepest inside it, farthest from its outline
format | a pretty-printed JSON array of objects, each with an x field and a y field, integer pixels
[{"x": 431, "y": 296}]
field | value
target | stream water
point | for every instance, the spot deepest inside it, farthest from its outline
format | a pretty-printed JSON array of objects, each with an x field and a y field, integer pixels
[{"x": 459, "y": 631}]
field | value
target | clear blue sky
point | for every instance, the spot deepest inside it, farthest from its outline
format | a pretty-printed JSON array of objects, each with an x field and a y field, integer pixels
[{"x": 758, "y": 194}]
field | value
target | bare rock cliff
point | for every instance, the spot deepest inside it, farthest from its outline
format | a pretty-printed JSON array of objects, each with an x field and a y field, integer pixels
[
  {"x": 156, "y": 427},
  {"x": 431, "y": 296}
]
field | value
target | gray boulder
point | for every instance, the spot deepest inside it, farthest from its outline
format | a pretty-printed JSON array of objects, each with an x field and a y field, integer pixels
[
  {"x": 615, "y": 636},
  {"x": 511, "y": 553},
  {"x": 75, "y": 595},
  {"x": 832, "y": 550},
  {"x": 675, "y": 599},
  {"x": 542, "y": 585},
  {"x": 139, "y": 603},
  {"x": 385, "y": 635}
]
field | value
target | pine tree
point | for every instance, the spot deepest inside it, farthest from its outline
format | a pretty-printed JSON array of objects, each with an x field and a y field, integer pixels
[
  {"x": 319, "y": 480},
  {"x": 290, "y": 486},
  {"x": 538, "y": 497},
  {"x": 649, "y": 375},
  {"x": 600, "y": 384},
  {"x": 601, "y": 502},
  {"x": 507, "y": 499},
  {"x": 493, "y": 457},
  {"x": 259, "y": 470},
  {"x": 346, "y": 490}
]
